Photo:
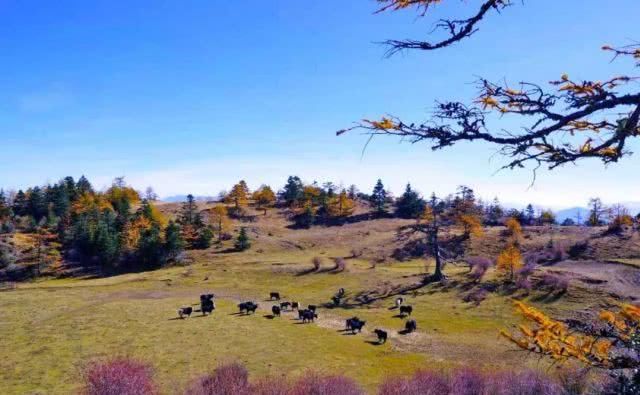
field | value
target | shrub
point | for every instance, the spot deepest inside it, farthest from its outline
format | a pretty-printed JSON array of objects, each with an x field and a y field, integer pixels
[
  {"x": 578, "y": 250},
  {"x": 554, "y": 282},
  {"x": 524, "y": 283},
  {"x": 479, "y": 266},
  {"x": 118, "y": 376},
  {"x": 316, "y": 384},
  {"x": 476, "y": 296},
  {"x": 231, "y": 379},
  {"x": 524, "y": 383},
  {"x": 317, "y": 263},
  {"x": 341, "y": 265}
]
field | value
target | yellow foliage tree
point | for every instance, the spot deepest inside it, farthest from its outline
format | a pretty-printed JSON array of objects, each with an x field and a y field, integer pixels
[
  {"x": 341, "y": 206},
  {"x": 239, "y": 195},
  {"x": 471, "y": 223},
  {"x": 90, "y": 201},
  {"x": 264, "y": 198},
  {"x": 219, "y": 220},
  {"x": 509, "y": 261},
  {"x": 514, "y": 229}
]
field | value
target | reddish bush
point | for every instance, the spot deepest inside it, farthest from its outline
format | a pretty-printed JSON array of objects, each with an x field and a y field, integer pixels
[
  {"x": 524, "y": 383},
  {"x": 524, "y": 283},
  {"x": 231, "y": 379},
  {"x": 478, "y": 266},
  {"x": 315, "y": 384},
  {"x": 340, "y": 265},
  {"x": 271, "y": 386},
  {"x": 470, "y": 382},
  {"x": 554, "y": 283},
  {"x": 118, "y": 376}
]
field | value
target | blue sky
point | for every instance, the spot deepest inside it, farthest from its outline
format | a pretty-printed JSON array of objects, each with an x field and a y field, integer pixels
[{"x": 191, "y": 96}]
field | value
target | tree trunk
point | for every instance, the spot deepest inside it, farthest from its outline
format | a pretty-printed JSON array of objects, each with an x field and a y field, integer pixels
[{"x": 437, "y": 275}]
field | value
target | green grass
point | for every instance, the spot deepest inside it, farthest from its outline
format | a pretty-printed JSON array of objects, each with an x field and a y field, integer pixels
[{"x": 50, "y": 328}]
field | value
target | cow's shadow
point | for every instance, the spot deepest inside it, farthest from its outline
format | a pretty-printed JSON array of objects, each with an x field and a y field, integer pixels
[
  {"x": 373, "y": 342},
  {"x": 399, "y": 316},
  {"x": 269, "y": 316},
  {"x": 405, "y": 332},
  {"x": 349, "y": 333}
]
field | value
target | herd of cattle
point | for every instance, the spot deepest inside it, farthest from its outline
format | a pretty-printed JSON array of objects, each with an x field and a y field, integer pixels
[{"x": 353, "y": 324}]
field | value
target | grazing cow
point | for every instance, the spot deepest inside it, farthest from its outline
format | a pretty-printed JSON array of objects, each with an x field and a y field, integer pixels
[
  {"x": 274, "y": 295},
  {"x": 295, "y": 306},
  {"x": 410, "y": 326},
  {"x": 382, "y": 335},
  {"x": 204, "y": 297},
  {"x": 399, "y": 302},
  {"x": 285, "y": 305},
  {"x": 347, "y": 325},
  {"x": 185, "y": 311},
  {"x": 336, "y": 300},
  {"x": 308, "y": 316},
  {"x": 207, "y": 306},
  {"x": 357, "y": 326},
  {"x": 406, "y": 310},
  {"x": 247, "y": 307},
  {"x": 301, "y": 313},
  {"x": 312, "y": 307},
  {"x": 276, "y": 311}
]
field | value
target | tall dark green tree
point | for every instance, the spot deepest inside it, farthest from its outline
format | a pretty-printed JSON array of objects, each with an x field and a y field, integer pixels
[
  {"x": 530, "y": 215},
  {"x": 173, "y": 242},
  {"x": 410, "y": 204},
  {"x": 5, "y": 210},
  {"x": 20, "y": 205},
  {"x": 242, "y": 242},
  {"x": 83, "y": 186},
  {"x": 293, "y": 190},
  {"x": 189, "y": 214},
  {"x": 205, "y": 236},
  {"x": 37, "y": 203},
  {"x": 379, "y": 198},
  {"x": 150, "y": 251}
]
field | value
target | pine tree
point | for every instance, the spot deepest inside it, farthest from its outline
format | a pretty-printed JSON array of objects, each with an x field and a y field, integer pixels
[
  {"x": 530, "y": 214},
  {"x": 410, "y": 204},
  {"x": 83, "y": 186},
  {"x": 306, "y": 217},
  {"x": 379, "y": 198},
  {"x": 203, "y": 241},
  {"x": 5, "y": 210},
  {"x": 242, "y": 242},
  {"x": 189, "y": 214},
  {"x": 173, "y": 242},
  {"x": 37, "y": 204},
  {"x": 292, "y": 191},
  {"x": 20, "y": 205},
  {"x": 150, "y": 249}
]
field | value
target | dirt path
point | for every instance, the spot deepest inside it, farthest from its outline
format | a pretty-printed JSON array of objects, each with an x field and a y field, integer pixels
[{"x": 614, "y": 278}]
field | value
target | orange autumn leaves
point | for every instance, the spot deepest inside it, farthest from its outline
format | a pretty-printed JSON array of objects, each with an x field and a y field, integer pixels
[
  {"x": 510, "y": 259},
  {"x": 546, "y": 336}
]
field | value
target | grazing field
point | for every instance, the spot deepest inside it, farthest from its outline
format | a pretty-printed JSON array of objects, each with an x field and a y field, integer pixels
[{"x": 53, "y": 326}]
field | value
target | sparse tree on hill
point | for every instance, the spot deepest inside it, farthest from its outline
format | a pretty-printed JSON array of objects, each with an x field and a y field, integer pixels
[
  {"x": 242, "y": 242},
  {"x": 219, "y": 220},
  {"x": 292, "y": 192},
  {"x": 264, "y": 198},
  {"x": 379, "y": 198},
  {"x": 341, "y": 206},
  {"x": 410, "y": 204},
  {"x": 238, "y": 196},
  {"x": 547, "y": 217},
  {"x": 509, "y": 261},
  {"x": 150, "y": 194},
  {"x": 596, "y": 212}
]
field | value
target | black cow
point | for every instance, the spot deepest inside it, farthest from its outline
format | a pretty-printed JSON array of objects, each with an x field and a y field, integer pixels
[
  {"x": 308, "y": 316},
  {"x": 295, "y": 306},
  {"x": 185, "y": 311},
  {"x": 347, "y": 325},
  {"x": 301, "y": 313},
  {"x": 274, "y": 295},
  {"x": 285, "y": 305},
  {"x": 410, "y": 326},
  {"x": 247, "y": 307},
  {"x": 399, "y": 302},
  {"x": 312, "y": 307},
  {"x": 357, "y": 326},
  {"x": 207, "y": 306},
  {"x": 276, "y": 311},
  {"x": 382, "y": 335},
  {"x": 406, "y": 310},
  {"x": 336, "y": 300},
  {"x": 204, "y": 297}
]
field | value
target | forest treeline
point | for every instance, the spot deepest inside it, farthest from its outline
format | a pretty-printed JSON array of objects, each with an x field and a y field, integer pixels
[{"x": 122, "y": 229}]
